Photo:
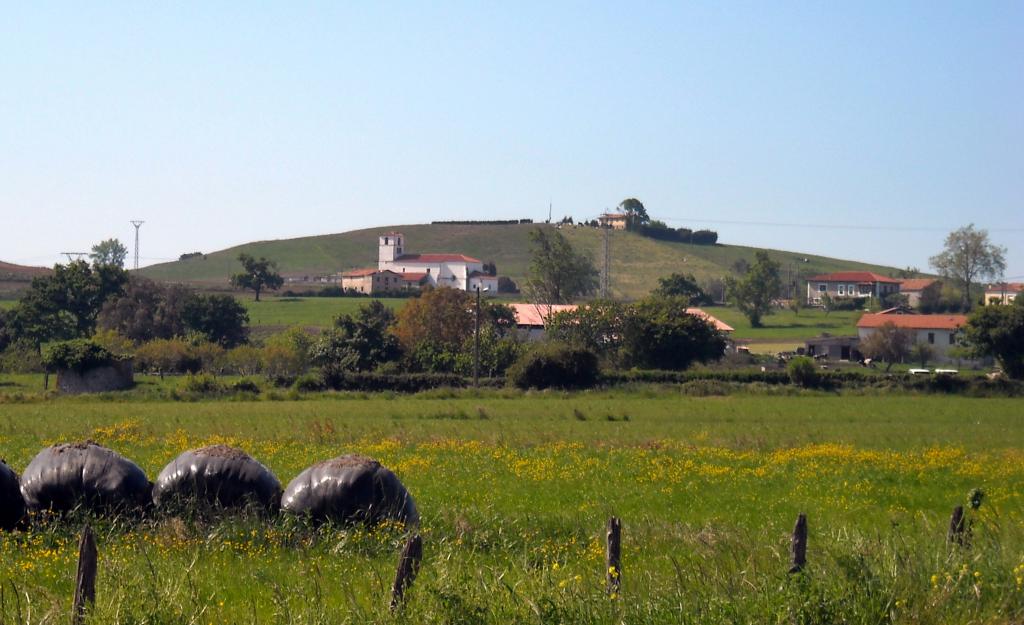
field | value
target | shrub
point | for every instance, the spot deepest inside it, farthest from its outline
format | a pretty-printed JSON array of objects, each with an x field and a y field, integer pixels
[
  {"x": 77, "y": 354},
  {"x": 706, "y": 388},
  {"x": 802, "y": 372},
  {"x": 21, "y": 357},
  {"x": 166, "y": 356},
  {"x": 401, "y": 383},
  {"x": 203, "y": 383},
  {"x": 308, "y": 383},
  {"x": 245, "y": 385},
  {"x": 555, "y": 365}
]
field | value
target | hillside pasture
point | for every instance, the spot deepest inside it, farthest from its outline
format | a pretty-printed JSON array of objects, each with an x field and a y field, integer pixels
[
  {"x": 515, "y": 488},
  {"x": 637, "y": 262}
]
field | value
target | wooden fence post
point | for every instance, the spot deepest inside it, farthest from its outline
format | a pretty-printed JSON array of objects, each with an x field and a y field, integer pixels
[
  {"x": 613, "y": 556},
  {"x": 408, "y": 566},
  {"x": 956, "y": 526},
  {"x": 85, "y": 579},
  {"x": 798, "y": 544}
]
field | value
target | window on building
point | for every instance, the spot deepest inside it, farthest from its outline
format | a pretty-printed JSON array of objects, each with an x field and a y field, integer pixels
[
  {"x": 386, "y": 241},
  {"x": 822, "y": 288},
  {"x": 850, "y": 290},
  {"x": 952, "y": 338},
  {"x": 428, "y": 271},
  {"x": 931, "y": 338},
  {"x": 842, "y": 289}
]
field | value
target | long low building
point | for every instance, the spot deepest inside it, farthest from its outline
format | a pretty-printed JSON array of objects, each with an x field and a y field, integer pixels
[
  {"x": 532, "y": 319},
  {"x": 939, "y": 331}
]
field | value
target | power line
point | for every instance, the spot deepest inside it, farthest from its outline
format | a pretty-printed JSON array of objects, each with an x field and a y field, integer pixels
[{"x": 780, "y": 224}]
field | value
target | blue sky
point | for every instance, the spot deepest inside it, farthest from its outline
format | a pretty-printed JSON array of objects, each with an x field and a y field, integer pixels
[{"x": 220, "y": 123}]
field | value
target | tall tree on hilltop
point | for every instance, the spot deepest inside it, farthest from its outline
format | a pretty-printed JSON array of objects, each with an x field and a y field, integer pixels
[
  {"x": 110, "y": 253},
  {"x": 257, "y": 275},
  {"x": 969, "y": 256},
  {"x": 636, "y": 214},
  {"x": 558, "y": 273}
]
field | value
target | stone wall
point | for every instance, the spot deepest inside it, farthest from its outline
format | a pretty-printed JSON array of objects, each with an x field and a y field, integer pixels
[{"x": 114, "y": 377}]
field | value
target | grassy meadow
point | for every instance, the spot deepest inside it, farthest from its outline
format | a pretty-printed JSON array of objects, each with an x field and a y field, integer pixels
[{"x": 514, "y": 489}]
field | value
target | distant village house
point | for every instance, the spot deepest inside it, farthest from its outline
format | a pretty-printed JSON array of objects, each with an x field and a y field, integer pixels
[
  {"x": 848, "y": 284},
  {"x": 1002, "y": 293},
  {"x": 615, "y": 221},
  {"x": 532, "y": 319},
  {"x": 915, "y": 288},
  {"x": 938, "y": 331}
]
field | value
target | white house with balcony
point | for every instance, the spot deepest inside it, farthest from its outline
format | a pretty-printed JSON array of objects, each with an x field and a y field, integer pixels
[
  {"x": 849, "y": 284},
  {"x": 456, "y": 271}
]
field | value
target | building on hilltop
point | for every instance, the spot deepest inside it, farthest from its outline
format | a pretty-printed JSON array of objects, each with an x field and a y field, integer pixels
[
  {"x": 846, "y": 284},
  {"x": 615, "y": 221},
  {"x": 456, "y": 271}
]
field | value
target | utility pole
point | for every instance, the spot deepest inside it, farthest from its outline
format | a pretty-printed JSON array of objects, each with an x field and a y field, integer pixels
[
  {"x": 76, "y": 255},
  {"x": 476, "y": 341},
  {"x": 607, "y": 258},
  {"x": 137, "y": 224}
]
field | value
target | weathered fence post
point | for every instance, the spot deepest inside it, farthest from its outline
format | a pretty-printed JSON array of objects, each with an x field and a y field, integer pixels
[
  {"x": 408, "y": 566},
  {"x": 798, "y": 544},
  {"x": 956, "y": 526},
  {"x": 85, "y": 579},
  {"x": 613, "y": 556}
]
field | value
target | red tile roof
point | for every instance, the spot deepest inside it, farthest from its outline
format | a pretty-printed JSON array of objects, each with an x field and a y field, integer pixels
[
  {"x": 537, "y": 314},
  {"x": 853, "y": 276},
  {"x": 359, "y": 273},
  {"x": 916, "y": 284},
  {"x": 412, "y": 276},
  {"x": 1009, "y": 287},
  {"x": 913, "y": 322},
  {"x": 436, "y": 258},
  {"x": 720, "y": 325}
]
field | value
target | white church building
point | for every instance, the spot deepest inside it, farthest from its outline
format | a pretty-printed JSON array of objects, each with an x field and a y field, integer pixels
[{"x": 456, "y": 271}]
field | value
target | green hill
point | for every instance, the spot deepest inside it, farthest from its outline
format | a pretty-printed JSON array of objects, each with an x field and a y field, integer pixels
[{"x": 637, "y": 262}]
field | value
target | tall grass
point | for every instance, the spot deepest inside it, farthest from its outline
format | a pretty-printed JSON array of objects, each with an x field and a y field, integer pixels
[{"x": 514, "y": 491}]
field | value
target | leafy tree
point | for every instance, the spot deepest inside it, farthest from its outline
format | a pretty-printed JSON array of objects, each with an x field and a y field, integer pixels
[
  {"x": 360, "y": 342},
  {"x": 257, "y": 274},
  {"x": 110, "y": 253},
  {"x": 796, "y": 304},
  {"x": 998, "y": 331},
  {"x": 597, "y": 327},
  {"x": 6, "y": 331},
  {"x": 741, "y": 266},
  {"x": 636, "y": 214},
  {"x": 754, "y": 293},
  {"x": 968, "y": 257},
  {"x": 164, "y": 356},
  {"x": 827, "y": 303},
  {"x": 558, "y": 274},
  {"x": 888, "y": 344},
  {"x": 684, "y": 286},
  {"x": 803, "y": 372},
  {"x": 65, "y": 304},
  {"x": 147, "y": 310},
  {"x": 245, "y": 360},
  {"x": 658, "y": 333},
  {"x": 219, "y": 318},
  {"x": 921, "y": 353},
  {"x": 445, "y": 317}
]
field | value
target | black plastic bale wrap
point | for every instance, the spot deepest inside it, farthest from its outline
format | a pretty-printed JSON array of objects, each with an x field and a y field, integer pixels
[
  {"x": 217, "y": 476},
  {"x": 350, "y": 489},
  {"x": 62, "y": 477},
  {"x": 12, "y": 504}
]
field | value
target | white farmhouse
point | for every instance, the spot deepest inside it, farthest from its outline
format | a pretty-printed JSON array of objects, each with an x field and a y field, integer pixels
[
  {"x": 456, "y": 271},
  {"x": 938, "y": 331}
]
